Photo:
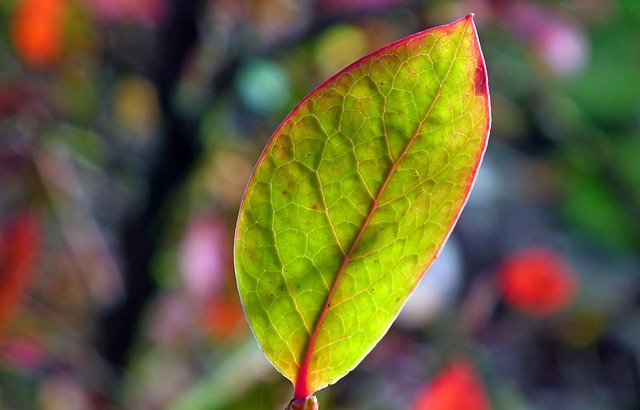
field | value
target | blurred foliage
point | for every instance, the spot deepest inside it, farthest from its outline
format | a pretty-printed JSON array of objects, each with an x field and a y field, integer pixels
[{"x": 129, "y": 129}]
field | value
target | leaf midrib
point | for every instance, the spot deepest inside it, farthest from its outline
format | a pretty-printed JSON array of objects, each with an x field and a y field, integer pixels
[{"x": 301, "y": 385}]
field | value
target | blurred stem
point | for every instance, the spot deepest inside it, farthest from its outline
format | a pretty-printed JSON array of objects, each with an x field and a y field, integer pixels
[
  {"x": 140, "y": 237},
  {"x": 85, "y": 241},
  {"x": 307, "y": 403},
  {"x": 231, "y": 371}
]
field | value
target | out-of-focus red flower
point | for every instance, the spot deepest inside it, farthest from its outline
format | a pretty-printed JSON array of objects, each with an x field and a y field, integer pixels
[
  {"x": 37, "y": 31},
  {"x": 537, "y": 282},
  {"x": 207, "y": 273},
  {"x": 19, "y": 243},
  {"x": 456, "y": 387},
  {"x": 223, "y": 316}
]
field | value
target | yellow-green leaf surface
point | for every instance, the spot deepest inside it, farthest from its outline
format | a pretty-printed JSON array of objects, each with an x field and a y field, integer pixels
[{"x": 353, "y": 198}]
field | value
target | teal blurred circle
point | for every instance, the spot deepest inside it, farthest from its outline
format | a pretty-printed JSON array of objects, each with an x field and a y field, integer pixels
[{"x": 263, "y": 85}]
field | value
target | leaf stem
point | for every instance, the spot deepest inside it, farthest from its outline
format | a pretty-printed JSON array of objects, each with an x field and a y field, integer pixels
[{"x": 305, "y": 403}]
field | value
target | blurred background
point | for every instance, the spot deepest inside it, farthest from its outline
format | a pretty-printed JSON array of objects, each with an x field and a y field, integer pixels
[{"x": 128, "y": 130}]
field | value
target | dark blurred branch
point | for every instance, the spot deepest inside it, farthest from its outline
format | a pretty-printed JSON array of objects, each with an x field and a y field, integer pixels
[{"x": 140, "y": 237}]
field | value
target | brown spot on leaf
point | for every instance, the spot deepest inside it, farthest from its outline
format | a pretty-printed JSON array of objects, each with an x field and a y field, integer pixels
[
  {"x": 480, "y": 78},
  {"x": 314, "y": 207}
]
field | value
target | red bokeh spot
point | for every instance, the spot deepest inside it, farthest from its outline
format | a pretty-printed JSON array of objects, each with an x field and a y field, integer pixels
[
  {"x": 456, "y": 387},
  {"x": 37, "y": 31},
  {"x": 223, "y": 317},
  {"x": 537, "y": 282},
  {"x": 18, "y": 251}
]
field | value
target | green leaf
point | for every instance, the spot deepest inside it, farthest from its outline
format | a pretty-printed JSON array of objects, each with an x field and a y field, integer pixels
[{"x": 353, "y": 198}]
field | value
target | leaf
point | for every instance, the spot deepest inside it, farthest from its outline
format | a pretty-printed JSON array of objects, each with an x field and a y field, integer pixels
[{"x": 353, "y": 198}]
